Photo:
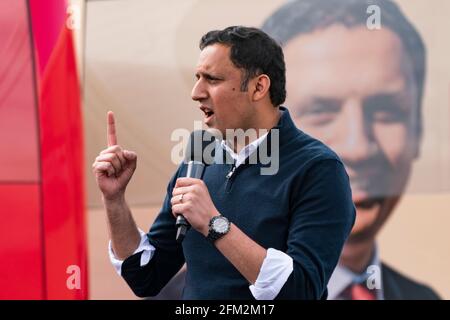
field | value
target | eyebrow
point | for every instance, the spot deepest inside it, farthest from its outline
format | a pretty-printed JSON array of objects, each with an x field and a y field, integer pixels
[
  {"x": 333, "y": 103},
  {"x": 396, "y": 96},
  {"x": 208, "y": 75},
  {"x": 396, "y": 99}
]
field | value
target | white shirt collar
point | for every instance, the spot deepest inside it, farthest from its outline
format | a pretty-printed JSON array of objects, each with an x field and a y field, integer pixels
[
  {"x": 245, "y": 152},
  {"x": 343, "y": 277}
]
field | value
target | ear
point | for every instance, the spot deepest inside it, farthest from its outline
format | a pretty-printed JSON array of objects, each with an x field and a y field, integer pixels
[{"x": 261, "y": 86}]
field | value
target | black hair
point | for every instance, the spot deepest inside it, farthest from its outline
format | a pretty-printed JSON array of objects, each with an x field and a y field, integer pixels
[{"x": 256, "y": 53}]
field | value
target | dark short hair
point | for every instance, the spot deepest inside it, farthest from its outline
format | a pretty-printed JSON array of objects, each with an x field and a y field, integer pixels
[
  {"x": 256, "y": 53},
  {"x": 305, "y": 16}
]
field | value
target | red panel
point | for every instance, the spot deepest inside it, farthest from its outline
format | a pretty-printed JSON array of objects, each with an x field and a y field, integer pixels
[
  {"x": 18, "y": 132},
  {"x": 21, "y": 269},
  {"x": 62, "y": 158},
  {"x": 62, "y": 172},
  {"x": 48, "y": 19},
  {"x": 40, "y": 241}
]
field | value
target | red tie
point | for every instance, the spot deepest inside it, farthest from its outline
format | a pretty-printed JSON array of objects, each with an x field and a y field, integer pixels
[{"x": 359, "y": 291}]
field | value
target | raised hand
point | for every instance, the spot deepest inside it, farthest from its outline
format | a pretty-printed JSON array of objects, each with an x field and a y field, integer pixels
[{"x": 114, "y": 167}]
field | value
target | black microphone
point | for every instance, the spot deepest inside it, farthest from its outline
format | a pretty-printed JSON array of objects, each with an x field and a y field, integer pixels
[{"x": 198, "y": 155}]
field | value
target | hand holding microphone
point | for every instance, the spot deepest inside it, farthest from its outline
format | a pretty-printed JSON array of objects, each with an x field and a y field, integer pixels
[{"x": 191, "y": 202}]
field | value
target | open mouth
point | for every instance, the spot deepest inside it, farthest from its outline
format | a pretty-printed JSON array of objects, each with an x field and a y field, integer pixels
[{"x": 208, "y": 113}]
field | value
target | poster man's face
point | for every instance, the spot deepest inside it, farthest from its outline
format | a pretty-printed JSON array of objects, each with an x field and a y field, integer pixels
[{"x": 352, "y": 88}]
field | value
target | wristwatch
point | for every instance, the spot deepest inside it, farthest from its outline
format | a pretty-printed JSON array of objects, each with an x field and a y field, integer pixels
[{"x": 218, "y": 227}]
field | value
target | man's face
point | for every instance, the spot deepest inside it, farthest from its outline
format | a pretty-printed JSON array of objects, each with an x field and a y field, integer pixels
[
  {"x": 353, "y": 89},
  {"x": 218, "y": 91}
]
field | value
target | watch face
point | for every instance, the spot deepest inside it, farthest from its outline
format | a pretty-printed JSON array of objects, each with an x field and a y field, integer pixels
[{"x": 220, "y": 225}]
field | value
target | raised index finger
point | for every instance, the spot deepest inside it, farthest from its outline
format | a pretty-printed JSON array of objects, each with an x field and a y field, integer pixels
[{"x": 111, "y": 130}]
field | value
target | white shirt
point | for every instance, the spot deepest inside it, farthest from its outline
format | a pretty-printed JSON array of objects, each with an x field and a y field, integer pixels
[
  {"x": 342, "y": 278},
  {"x": 276, "y": 267}
]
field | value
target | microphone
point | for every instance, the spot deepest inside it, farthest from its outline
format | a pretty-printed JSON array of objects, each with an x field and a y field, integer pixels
[{"x": 199, "y": 154}]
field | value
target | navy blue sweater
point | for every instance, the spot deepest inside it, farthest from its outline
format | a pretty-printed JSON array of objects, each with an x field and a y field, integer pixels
[{"x": 304, "y": 210}]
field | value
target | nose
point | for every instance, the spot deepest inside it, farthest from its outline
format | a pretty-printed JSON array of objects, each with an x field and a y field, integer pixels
[
  {"x": 355, "y": 141},
  {"x": 199, "y": 91}
]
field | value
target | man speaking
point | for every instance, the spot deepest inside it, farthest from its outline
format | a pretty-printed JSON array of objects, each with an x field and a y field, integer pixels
[{"x": 254, "y": 234}]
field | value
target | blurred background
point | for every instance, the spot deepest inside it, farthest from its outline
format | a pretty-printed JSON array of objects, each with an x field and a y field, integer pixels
[{"x": 65, "y": 64}]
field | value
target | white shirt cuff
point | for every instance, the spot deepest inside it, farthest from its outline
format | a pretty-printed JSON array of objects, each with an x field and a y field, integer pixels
[
  {"x": 275, "y": 270},
  {"x": 144, "y": 246}
]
